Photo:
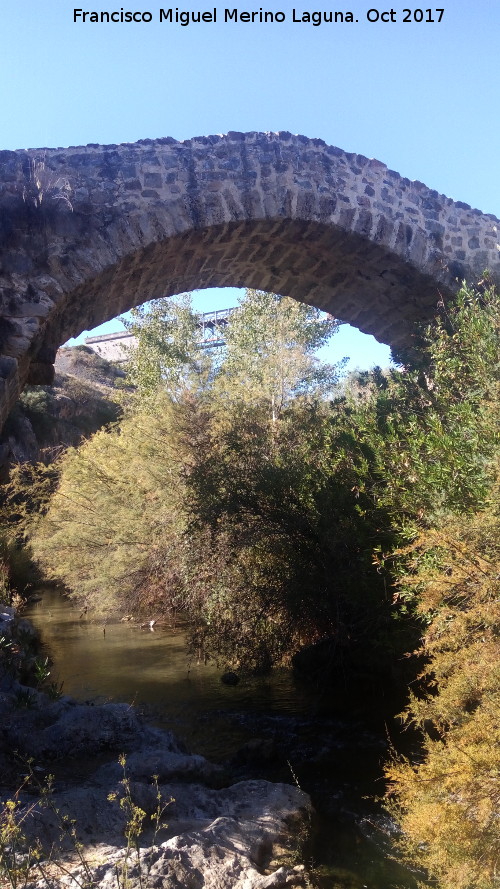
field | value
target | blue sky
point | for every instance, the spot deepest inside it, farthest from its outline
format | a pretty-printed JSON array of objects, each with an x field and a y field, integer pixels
[{"x": 421, "y": 97}]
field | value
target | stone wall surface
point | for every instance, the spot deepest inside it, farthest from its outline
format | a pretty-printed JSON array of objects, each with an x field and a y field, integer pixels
[{"x": 88, "y": 232}]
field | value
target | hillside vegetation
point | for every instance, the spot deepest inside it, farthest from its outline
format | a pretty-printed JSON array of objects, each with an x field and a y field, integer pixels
[{"x": 47, "y": 419}]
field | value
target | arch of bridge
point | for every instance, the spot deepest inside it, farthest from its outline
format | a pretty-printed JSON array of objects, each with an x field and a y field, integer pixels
[{"x": 268, "y": 210}]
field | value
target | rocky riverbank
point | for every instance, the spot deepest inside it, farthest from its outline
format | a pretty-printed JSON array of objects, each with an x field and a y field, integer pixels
[{"x": 111, "y": 801}]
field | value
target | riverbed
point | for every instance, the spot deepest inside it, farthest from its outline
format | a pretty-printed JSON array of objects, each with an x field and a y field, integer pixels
[{"x": 272, "y": 727}]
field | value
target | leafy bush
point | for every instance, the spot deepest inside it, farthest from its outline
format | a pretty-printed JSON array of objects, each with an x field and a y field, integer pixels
[
  {"x": 447, "y": 802},
  {"x": 447, "y": 799},
  {"x": 38, "y": 405}
]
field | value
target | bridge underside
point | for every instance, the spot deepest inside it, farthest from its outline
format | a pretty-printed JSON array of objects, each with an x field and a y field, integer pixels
[{"x": 354, "y": 279}]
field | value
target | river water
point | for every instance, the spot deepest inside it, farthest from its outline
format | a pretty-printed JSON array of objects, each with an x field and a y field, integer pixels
[{"x": 273, "y": 727}]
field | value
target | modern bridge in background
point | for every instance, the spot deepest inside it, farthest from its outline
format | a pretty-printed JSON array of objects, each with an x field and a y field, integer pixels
[{"x": 114, "y": 346}]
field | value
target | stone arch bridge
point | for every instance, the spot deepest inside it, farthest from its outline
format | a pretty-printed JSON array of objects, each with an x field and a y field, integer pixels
[{"x": 88, "y": 232}]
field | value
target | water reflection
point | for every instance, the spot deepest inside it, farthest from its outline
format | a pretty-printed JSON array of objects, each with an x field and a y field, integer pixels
[{"x": 121, "y": 661}]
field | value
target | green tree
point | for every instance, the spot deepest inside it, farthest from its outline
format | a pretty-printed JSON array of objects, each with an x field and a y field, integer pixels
[
  {"x": 269, "y": 359},
  {"x": 167, "y": 354}
]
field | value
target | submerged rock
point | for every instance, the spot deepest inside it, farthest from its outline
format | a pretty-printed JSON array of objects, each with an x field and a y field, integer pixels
[{"x": 230, "y": 678}]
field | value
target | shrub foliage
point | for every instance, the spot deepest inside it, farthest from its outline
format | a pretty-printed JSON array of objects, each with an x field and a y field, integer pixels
[{"x": 276, "y": 517}]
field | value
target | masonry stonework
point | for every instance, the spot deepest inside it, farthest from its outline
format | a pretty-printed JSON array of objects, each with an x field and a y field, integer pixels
[{"x": 269, "y": 210}]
